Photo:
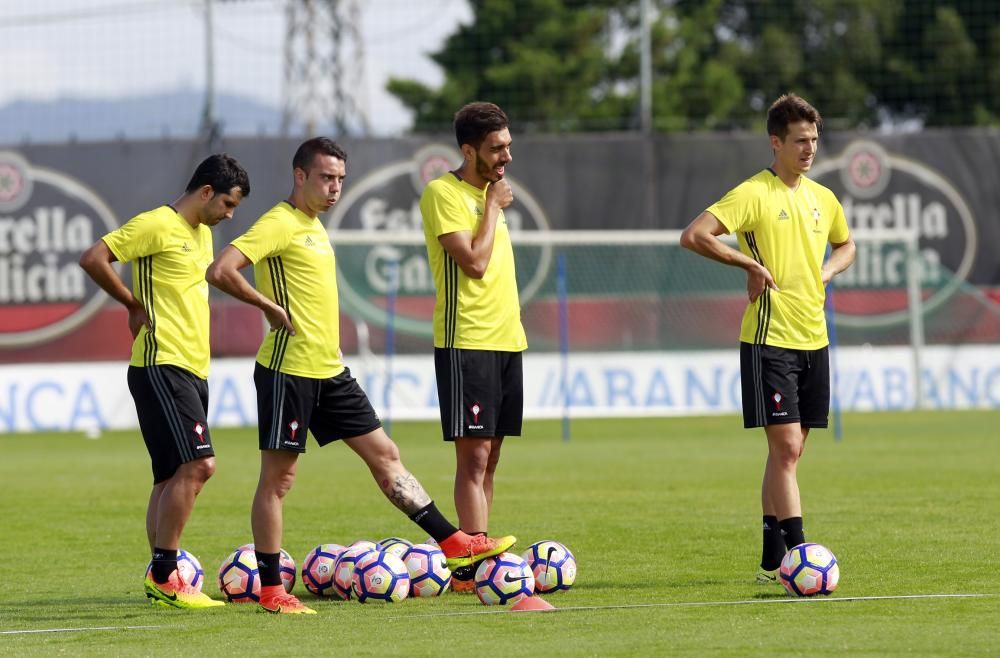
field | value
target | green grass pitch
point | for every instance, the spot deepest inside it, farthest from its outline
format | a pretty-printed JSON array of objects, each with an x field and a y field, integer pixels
[{"x": 662, "y": 514}]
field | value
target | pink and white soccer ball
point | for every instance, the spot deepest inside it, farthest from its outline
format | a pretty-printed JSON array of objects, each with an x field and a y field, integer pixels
[
  {"x": 429, "y": 575},
  {"x": 809, "y": 569},
  {"x": 318, "y": 567},
  {"x": 552, "y": 564},
  {"x": 239, "y": 577},
  {"x": 503, "y": 579},
  {"x": 188, "y": 568},
  {"x": 343, "y": 571},
  {"x": 380, "y": 577}
]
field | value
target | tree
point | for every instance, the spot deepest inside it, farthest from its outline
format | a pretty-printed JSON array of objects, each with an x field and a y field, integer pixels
[
  {"x": 574, "y": 65},
  {"x": 547, "y": 58}
]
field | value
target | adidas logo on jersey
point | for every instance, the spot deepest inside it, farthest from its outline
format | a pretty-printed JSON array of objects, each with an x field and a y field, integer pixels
[
  {"x": 782, "y": 214},
  {"x": 309, "y": 241}
]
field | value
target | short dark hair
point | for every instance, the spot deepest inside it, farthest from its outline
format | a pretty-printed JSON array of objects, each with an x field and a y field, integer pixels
[
  {"x": 311, "y": 147},
  {"x": 222, "y": 172},
  {"x": 477, "y": 120},
  {"x": 789, "y": 109}
]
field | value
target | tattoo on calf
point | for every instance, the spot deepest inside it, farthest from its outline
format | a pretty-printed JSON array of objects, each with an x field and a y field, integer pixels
[{"x": 407, "y": 494}]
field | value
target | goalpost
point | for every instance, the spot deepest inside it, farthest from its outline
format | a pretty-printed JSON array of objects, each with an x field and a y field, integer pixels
[{"x": 586, "y": 293}]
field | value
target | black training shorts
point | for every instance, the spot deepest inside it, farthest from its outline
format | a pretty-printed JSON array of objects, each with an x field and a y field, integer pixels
[
  {"x": 480, "y": 392},
  {"x": 172, "y": 406},
  {"x": 784, "y": 386},
  {"x": 288, "y": 405}
]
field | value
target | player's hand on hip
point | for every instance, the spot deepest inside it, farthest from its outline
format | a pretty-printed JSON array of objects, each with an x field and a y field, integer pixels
[
  {"x": 500, "y": 193},
  {"x": 758, "y": 280},
  {"x": 137, "y": 319},
  {"x": 278, "y": 319}
]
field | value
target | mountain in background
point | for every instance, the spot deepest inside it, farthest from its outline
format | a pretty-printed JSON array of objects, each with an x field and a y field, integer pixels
[{"x": 155, "y": 116}]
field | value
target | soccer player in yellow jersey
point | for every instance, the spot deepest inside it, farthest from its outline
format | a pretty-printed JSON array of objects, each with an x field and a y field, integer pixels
[
  {"x": 478, "y": 336},
  {"x": 783, "y": 221},
  {"x": 301, "y": 382},
  {"x": 168, "y": 314}
]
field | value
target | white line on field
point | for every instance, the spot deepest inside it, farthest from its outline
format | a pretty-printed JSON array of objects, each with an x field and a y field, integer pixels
[
  {"x": 79, "y": 630},
  {"x": 689, "y": 604}
]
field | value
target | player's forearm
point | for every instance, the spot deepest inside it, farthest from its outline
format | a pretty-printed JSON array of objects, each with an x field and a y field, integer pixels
[
  {"x": 233, "y": 284},
  {"x": 482, "y": 244},
  {"x": 105, "y": 276},
  {"x": 710, "y": 246},
  {"x": 841, "y": 257}
]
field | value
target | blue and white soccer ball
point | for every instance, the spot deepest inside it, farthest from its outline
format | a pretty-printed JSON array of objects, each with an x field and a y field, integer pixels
[
  {"x": 394, "y": 545},
  {"x": 381, "y": 577},
  {"x": 239, "y": 577},
  {"x": 317, "y": 569},
  {"x": 552, "y": 564},
  {"x": 188, "y": 568},
  {"x": 503, "y": 579},
  {"x": 429, "y": 575},
  {"x": 809, "y": 569},
  {"x": 343, "y": 571}
]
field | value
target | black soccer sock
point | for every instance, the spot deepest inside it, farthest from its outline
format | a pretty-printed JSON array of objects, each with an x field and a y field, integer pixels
[
  {"x": 269, "y": 568},
  {"x": 773, "y": 544},
  {"x": 791, "y": 530},
  {"x": 164, "y": 563},
  {"x": 433, "y": 522}
]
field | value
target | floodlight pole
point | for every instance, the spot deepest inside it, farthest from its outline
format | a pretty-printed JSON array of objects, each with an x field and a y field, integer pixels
[{"x": 208, "y": 127}]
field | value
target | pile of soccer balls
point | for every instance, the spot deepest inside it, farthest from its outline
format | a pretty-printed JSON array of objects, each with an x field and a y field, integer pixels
[{"x": 393, "y": 569}]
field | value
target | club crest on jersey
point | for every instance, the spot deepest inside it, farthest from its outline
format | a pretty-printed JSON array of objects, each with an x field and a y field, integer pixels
[{"x": 294, "y": 427}]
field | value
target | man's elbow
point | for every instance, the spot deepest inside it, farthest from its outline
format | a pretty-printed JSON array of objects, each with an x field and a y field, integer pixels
[
  {"x": 89, "y": 259},
  {"x": 689, "y": 238},
  {"x": 214, "y": 275}
]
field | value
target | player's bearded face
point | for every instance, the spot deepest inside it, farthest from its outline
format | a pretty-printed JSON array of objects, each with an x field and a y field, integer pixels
[{"x": 493, "y": 155}]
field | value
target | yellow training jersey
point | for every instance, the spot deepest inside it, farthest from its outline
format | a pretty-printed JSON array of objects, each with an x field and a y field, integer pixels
[
  {"x": 294, "y": 267},
  {"x": 477, "y": 314},
  {"x": 787, "y": 231},
  {"x": 169, "y": 259}
]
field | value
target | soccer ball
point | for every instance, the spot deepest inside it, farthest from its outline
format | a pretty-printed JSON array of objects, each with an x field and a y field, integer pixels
[
  {"x": 343, "y": 571},
  {"x": 364, "y": 543},
  {"x": 380, "y": 576},
  {"x": 552, "y": 564},
  {"x": 239, "y": 577},
  {"x": 504, "y": 579},
  {"x": 428, "y": 574},
  {"x": 394, "y": 545},
  {"x": 188, "y": 568},
  {"x": 317, "y": 568},
  {"x": 809, "y": 569}
]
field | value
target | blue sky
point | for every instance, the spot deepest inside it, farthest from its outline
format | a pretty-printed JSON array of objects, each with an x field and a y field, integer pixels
[{"x": 116, "y": 49}]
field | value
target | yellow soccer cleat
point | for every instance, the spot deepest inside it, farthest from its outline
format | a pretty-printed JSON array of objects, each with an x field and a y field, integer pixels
[{"x": 175, "y": 594}]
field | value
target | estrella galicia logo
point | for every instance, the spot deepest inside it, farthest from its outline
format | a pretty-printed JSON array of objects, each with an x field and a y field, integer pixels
[
  {"x": 386, "y": 202},
  {"x": 887, "y": 193},
  {"x": 47, "y": 220}
]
